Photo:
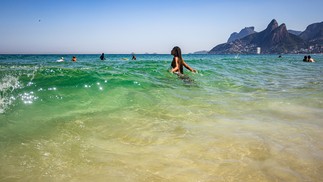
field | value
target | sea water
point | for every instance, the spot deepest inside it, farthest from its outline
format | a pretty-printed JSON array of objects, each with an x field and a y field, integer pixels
[{"x": 240, "y": 118}]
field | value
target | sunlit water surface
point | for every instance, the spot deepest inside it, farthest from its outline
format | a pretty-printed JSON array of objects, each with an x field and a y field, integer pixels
[{"x": 240, "y": 118}]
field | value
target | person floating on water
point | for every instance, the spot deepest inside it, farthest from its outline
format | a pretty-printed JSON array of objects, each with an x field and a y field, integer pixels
[
  {"x": 133, "y": 56},
  {"x": 102, "y": 57},
  {"x": 74, "y": 59},
  {"x": 61, "y": 60},
  {"x": 178, "y": 62},
  {"x": 305, "y": 59}
]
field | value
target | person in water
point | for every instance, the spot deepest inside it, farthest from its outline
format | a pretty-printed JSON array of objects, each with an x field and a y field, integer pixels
[
  {"x": 178, "y": 63},
  {"x": 74, "y": 59},
  {"x": 61, "y": 60},
  {"x": 305, "y": 59},
  {"x": 133, "y": 57},
  {"x": 102, "y": 57},
  {"x": 310, "y": 59}
]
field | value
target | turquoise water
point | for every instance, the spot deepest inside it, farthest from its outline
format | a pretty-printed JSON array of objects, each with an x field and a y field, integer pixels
[{"x": 240, "y": 118}]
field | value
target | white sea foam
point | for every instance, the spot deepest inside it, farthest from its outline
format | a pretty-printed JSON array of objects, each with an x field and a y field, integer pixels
[{"x": 7, "y": 85}]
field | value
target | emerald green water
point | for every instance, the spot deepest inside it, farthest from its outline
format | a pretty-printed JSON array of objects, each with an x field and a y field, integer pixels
[{"x": 245, "y": 118}]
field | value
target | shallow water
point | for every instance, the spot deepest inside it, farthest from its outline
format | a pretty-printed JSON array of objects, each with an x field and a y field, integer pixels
[{"x": 251, "y": 118}]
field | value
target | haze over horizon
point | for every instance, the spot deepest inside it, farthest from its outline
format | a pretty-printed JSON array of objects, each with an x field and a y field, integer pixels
[{"x": 140, "y": 26}]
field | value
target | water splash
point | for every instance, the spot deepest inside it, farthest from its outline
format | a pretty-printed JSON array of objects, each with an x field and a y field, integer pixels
[{"x": 7, "y": 85}]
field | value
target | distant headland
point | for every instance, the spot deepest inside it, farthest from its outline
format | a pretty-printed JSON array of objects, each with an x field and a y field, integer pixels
[{"x": 275, "y": 39}]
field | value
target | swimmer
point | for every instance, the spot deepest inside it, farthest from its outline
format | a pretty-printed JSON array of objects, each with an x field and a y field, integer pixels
[
  {"x": 133, "y": 56},
  {"x": 60, "y": 60},
  {"x": 178, "y": 62},
  {"x": 102, "y": 57},
  {"x": 310, "y": 59}
]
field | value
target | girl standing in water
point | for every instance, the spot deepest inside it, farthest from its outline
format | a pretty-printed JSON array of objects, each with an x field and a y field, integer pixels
[{"x": 178, "y": 62}]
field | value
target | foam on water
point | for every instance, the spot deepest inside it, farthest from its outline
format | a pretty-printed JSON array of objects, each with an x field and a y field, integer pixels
[{"x": 7, "y": 85}]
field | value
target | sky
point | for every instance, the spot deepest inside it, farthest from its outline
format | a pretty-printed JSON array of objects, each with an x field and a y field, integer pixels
[{"x": 140, "y": 26}]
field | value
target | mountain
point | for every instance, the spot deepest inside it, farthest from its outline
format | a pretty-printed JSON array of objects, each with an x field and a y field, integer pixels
[
  {"x": 313, "y": 33},
  {"x": 201, "y": 52},
  {"x": 274, "y": 39},
  {"x": 243, "y": 33},
  {"x": 295, "y": 32}
]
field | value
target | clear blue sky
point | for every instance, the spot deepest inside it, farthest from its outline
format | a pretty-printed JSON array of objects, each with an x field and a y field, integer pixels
[{"x": 125, "y": 26}]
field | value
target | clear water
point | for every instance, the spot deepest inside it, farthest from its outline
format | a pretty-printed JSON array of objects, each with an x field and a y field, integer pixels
[{"x": 240, "y": 118}]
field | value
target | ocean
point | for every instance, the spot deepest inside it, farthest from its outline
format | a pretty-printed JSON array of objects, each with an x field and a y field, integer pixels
[{"x": 240, "y": 118}]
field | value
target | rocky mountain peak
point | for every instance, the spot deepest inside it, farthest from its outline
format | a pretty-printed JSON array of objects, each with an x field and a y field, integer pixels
[
  {"x": 279, "y": 34},
  {"x": 272, "y": 26}
]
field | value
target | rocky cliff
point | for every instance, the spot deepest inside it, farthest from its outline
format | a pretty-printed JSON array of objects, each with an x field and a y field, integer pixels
[{"x": 243, "y": 33}]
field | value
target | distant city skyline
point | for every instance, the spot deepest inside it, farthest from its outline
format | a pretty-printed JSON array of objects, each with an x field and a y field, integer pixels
[{"x": 140, "y": 26}]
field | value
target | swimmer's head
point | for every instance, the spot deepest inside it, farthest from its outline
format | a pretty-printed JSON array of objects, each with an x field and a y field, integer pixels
[{"x": 176, "y": 51}]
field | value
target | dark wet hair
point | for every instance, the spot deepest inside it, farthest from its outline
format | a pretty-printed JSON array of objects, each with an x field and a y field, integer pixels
[
  {"x": 176, "y": 51},
  {"x": 309, "y": 57}
]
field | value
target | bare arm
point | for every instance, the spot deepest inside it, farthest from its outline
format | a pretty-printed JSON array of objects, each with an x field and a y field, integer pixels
[{"x": 188, "y": 67}]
